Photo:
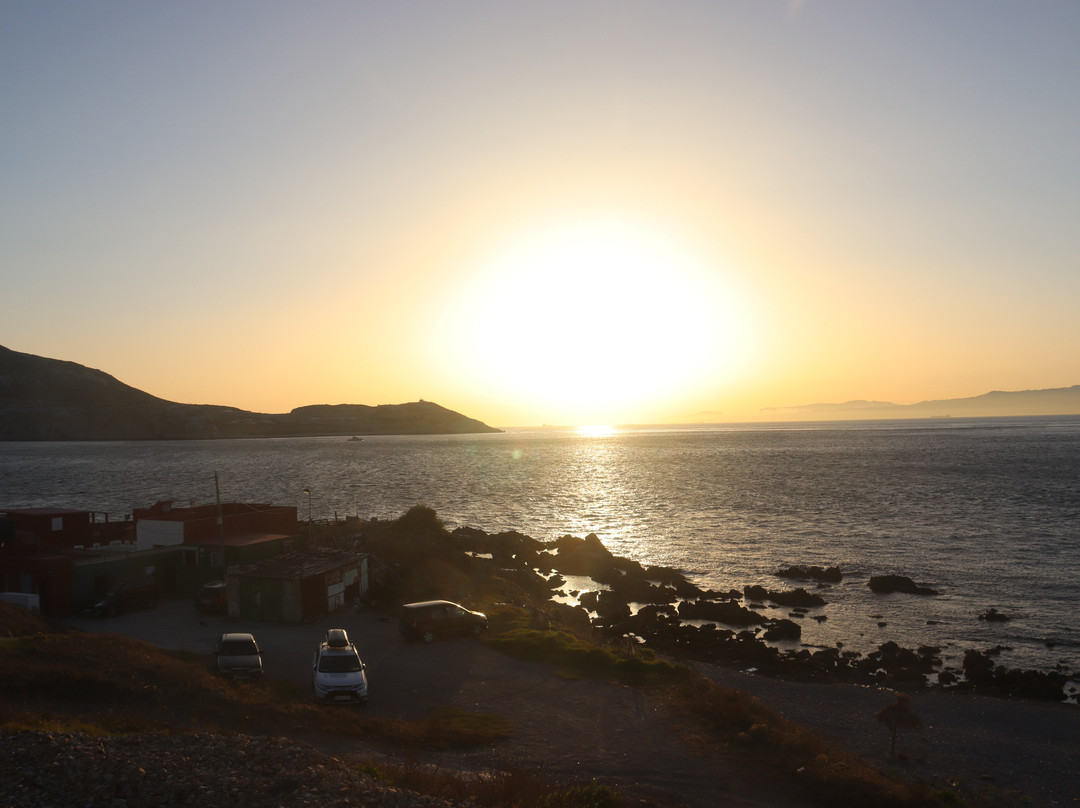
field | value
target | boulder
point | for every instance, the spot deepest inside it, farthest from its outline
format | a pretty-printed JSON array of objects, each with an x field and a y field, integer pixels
[
  {"x": 831, "y": 575},
  {"x": 888, "y": 584},
  {"x": 783, "y": 630},
  {"x": 727, "y": 612}
]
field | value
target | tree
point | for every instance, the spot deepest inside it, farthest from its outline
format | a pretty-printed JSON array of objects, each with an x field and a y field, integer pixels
[{"x": 898, "y": 716}]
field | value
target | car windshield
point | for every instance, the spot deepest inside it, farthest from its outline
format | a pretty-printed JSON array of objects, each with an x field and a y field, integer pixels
[
  {"x": 239, "y": 647},
  {"x": 339, "y": 663}
]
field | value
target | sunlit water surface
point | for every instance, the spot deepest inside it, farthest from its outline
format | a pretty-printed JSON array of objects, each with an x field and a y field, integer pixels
[{"x": 985, "y": 511}]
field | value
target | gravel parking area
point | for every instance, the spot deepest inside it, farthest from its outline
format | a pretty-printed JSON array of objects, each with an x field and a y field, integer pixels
[{"x": 620, "y": 737}]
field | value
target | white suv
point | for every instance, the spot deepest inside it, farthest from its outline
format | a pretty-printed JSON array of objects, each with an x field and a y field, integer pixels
[{"x": 337, "y": 674}]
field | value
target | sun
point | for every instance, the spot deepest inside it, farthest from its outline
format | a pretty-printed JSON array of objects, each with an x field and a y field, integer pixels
[{"x": 594, "y": 320}]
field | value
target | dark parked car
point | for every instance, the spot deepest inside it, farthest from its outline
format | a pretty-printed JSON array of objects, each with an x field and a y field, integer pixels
[
  {"x": 138, "y": 592},
  {"x": 212, "y": 598},
  {"x": 238, "y": 656},
  {"x": 438, "y": 618}
]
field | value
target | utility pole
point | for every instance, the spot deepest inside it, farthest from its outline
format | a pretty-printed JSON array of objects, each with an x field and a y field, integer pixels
[
  {"x": 221, "y": 526},
  {"x": 309, "y": 536}
]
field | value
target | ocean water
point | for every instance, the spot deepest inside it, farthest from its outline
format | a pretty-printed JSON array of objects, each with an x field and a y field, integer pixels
[{"x": 986, "y": 511}]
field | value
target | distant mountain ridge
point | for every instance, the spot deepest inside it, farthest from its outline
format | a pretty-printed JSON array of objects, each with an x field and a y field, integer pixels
[
  {"x": 52, "y": 399},
  {"x": 995, "y": 404}
]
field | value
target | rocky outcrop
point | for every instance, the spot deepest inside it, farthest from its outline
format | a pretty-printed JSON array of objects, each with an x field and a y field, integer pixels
[
  {"x": 792, "y": 598},
  {"x": 727, "y": 612},
  {"x": 831, "y": 575},
  {"x": 888, "y": 584}
]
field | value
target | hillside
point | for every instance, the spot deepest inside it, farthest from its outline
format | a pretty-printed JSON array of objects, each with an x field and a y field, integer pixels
[
  {"x": 50, "y": 399},
  {"x": 996, "y": 404}
]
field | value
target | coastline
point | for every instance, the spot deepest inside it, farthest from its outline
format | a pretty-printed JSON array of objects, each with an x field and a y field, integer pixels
[{"x": 661, "y": 608}]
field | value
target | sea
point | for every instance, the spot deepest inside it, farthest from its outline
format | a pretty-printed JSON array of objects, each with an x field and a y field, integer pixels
[{"x": 984, "y": 511}]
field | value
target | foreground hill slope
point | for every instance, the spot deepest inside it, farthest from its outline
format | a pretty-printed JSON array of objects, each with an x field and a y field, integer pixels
[{"x": 51, "y": 399}]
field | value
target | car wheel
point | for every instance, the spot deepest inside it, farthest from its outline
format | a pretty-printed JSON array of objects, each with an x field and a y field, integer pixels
[{"x": 428, "y": 636}]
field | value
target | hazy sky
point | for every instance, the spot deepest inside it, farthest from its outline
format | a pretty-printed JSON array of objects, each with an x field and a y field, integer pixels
[{"x": 579, "y": 212}]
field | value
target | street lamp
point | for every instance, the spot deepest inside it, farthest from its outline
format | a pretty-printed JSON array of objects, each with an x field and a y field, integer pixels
[{"x": 308, "y": 492}]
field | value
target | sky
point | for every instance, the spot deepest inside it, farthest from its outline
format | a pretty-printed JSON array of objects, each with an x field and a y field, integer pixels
[{"x": 545, "y": 212}]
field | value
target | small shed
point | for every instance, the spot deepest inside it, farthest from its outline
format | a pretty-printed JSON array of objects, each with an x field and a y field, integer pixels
[{"x": 298, "y": 587}]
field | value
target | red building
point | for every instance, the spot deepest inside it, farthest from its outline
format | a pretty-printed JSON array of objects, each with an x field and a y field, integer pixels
[{"x": 165, "y": 524}]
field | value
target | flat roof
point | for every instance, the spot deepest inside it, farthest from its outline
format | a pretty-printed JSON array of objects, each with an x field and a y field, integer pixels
[
  {"x": 41, "y": 511},
  {"x": 239, "y": 539},
  {"x": 302, "y": 563}
]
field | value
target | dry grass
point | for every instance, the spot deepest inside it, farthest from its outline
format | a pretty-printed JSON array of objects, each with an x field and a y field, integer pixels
[
  {"x": 825, "y": 773},
  {"x": 574, "y": 657}
]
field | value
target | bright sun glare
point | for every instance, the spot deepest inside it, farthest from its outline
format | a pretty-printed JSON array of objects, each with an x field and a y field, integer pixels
[{"x": 591, "y": 319}]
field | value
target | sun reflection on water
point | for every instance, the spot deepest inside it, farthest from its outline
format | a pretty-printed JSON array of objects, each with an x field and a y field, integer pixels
[{"x": 596, "y": 430}]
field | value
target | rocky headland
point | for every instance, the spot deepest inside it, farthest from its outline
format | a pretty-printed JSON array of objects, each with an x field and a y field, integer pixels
[{"x": 53, "y": 400}]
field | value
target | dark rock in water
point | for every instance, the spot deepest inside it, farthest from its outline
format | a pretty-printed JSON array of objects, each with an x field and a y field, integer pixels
[
  {"x": 946, "y": 678},
  {"x": 609, "y": 606},
  {"x": 1030, "y": 684},
  {"x": 888, "y": 584},
  {"x": 639, "y": 590},
  {"x": 725, "y": 612},
  {"x": 756, "y": 593},
  {"x": 783, "y": 630},
  {"x": 797, "y": 597},
  {"x": 978, "y": 668},
  {"x": 992, "y": 615},
  {"x": 831, "y": 575},
  {"x": 790, "y": 598},
  {"x": 586, "y": 556}
]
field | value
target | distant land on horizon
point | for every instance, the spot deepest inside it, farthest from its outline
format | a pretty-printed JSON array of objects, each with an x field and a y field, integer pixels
[
  {"x": 55, "y": 400},
  {"x": 995, "y": 404}
]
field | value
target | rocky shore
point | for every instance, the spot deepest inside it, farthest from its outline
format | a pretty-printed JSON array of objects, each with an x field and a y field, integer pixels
[
  {"x": 41, "y": 770},
  {"x": 676, "y": 617}
]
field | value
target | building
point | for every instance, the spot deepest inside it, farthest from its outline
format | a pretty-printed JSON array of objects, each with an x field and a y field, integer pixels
[
  {"x": 63, "y": 560},
  {"x": 298, "y": 587},
  {"x": 214, "y": 538},
  {"x": 62, "y": 527}
]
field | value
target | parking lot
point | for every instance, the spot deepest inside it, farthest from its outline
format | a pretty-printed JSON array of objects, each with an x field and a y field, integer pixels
[{"x": 405, "y": 678}]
